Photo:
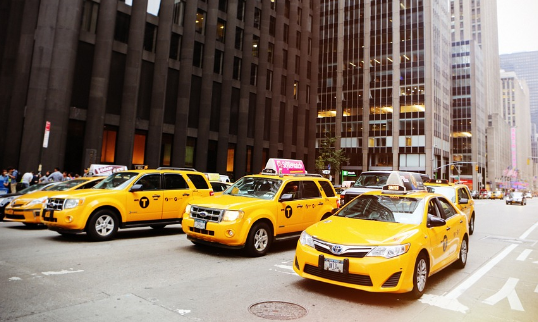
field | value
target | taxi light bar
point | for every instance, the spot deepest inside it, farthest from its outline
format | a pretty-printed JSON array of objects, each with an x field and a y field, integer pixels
[
  {"x": 394, "y": 188},
  {"x": 440, "y": 181}
]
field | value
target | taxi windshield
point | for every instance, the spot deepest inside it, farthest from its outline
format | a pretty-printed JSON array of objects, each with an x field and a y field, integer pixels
[
  {"x": 116, "y": 181},
  {"x": 255, "y": 187},
  {"x": 375, "y": 180},
  {"x": 66, "y": 185},
  {"x": 392, "y": 208},
  {"x": 448, "y": 192}
]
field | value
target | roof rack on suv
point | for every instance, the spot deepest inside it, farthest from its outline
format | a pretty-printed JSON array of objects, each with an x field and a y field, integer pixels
[{"x": 174, "y": 168}]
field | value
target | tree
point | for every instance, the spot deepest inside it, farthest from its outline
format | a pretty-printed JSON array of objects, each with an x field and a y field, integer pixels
[{"x": 330, "y": 157}]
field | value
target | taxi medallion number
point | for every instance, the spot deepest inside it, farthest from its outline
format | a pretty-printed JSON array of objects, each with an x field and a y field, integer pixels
[
  {"x": 200, "y": 224},
  {"x": 333, "y": 265}
]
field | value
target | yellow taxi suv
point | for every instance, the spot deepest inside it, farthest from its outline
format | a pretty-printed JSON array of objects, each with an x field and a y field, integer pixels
[
  {"x": 460, "y": 196},
  {"x": 258, "y": 209},
  {"x": 385, "y": 241},
  {"x": 134, "y": 198},
  {"x": 27, "y": 209}
]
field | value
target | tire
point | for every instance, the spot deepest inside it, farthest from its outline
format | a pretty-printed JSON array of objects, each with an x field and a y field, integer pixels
[
  {"x": 161, "y": 226},
  {"x": 471, "y": 225},
  {"x": 259, "y": 240},
  {"x": 420, "y": 277},
  {"x": 103, "y": 225},
  {"x": 464, "y": 250}
]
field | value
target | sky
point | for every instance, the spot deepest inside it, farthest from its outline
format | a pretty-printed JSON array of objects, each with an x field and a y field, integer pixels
[{"x": 518, "y": 24}]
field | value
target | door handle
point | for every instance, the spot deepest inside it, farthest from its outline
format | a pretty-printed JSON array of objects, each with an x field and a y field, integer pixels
[
  {"x": 156, "y": 196},
  {"x": 447, "y": 228},
  {"x": 461, "y": 221},
  {"x": 186, "y": 195},
  {"x": 299, "y": 206},
  {"x": 320, "y": 204}
]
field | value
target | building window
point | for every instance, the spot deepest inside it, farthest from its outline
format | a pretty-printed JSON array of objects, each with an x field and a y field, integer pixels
[
  {"x": 298, "y": 40},
  {"x": 108, "y": 147},
  {"x": 308, "y": 69},
  {"x": 231, "y": 157},
  {"x": 253, "y": 74},
  {"x": 307, "y": 96},
  {"x": 139, "y": 147},
  {"x": 238, "y": 38},
  {"x": 309, "y": 24},
  {"x": 257, "y": 18},
  {"x": 221, "y": 30},
  {"x": 255, "y": 46},
  {"x": 150, "y": 37},
  {"x": 241, "y": 10},
  {"x": 287, "y": 9},
  {"x": 408, "y": 141},
  {"x": 269, "y": 80},
  {"x": 273, "y": 4},
  {"x": 89, "y": 17},
  {"x": 179, "y": 12},
  {"x": 299, "y": 16},
  {"x": 270, "y": 53},
  {"x": 198, "y": 56},
  {"x": 121, "y": 30},
  {"x": 283, "y": 82},
  {"x": 284, "y": 58},
  {"x": 309, "y": 46},
  {"x": 237, "y": 68},
  {"x": 295, "y": 90},
  {"x": 272, "y": 26},
  {"x": 217, "y": 67},
  {"x": 190, "y": 152},
  {"x": 297, "y": 65},
  {"x": 223, "y": 5},
  {"x": 175, "y": 46},
  {"x": 200, "y": 22},
  {"x": 166, "y": 149},
  {"x": 286, "y": 35}
]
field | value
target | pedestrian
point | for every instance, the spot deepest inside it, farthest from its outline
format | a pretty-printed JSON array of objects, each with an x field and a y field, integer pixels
[
  {"x": 26, "y": 179},
  {"x": 56, "y": 176},
  {"x": 86, "y": 172},
  {"x": 45, "y": 178},
  {"x": 4, "y": 182},
  {"x": 13, "y": 174},
  {"x": 35, "y": 178}
]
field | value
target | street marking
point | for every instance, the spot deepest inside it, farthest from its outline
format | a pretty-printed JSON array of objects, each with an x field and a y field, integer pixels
[
  {"x": 536, "y": 289},
  {"x": 284, "y": 267},
  {"x": 524, "y": 254},
  {"x": 15, "y": 278},
  {"x": 62, "y": 272},
  {"x": 507, "y": 291},
  {"x": 529, "y": 231},
  {"x": 450, "y": 300},
  {"x": 183, "y": 312}
]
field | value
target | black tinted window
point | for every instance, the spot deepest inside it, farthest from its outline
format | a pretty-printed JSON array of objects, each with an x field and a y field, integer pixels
[
  {"x": 198, "y": 181},
  {"x": 174, "y": 181},
  {"x": 310, "y": 190},
  {"x": 327, "y": 188},
  {"x": 448, "y": 210},
  {"x": 150, "y": 182},
  {"x": 89, "y": 184}
]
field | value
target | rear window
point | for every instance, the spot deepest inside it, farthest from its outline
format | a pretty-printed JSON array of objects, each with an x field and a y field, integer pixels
[
  {"x": 327, "y": 188},
  {"x": 174, "y": 182},
  {"x": 199, "y": 181}
]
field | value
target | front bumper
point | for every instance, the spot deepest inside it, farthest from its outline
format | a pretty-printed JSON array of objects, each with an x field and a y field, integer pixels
[
  {"x": 67, "y": 220},
  {"x": 220, "y": 234},
  {"x": 372, "y": 274},
  {"x": 29, "y": 216}
]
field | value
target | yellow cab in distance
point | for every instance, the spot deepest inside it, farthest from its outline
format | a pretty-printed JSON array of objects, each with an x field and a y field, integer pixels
[
  {"x": 133, "y": 198},
  {"x": 278, "y": 203},
  {"x": 27, "y": 208},
  {"x": 460, "y": 196},
  {"x": 388, "y": 240}
]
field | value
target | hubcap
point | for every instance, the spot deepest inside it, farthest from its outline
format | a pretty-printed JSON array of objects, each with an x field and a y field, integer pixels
[
  {"x": 104, "y": 225},
  {"x": 260, "y": 240},
  {"x": 463, "y": 251},
  {"x": 422, "y": 271}
]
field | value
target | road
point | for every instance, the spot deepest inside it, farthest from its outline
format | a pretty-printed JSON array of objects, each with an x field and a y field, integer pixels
[{"x": 152, "y": 275}]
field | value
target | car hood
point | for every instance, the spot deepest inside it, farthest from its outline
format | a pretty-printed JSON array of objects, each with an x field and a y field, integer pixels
[
  {"x": 348, "y": 231},
  {"x": 229, "y": 202}
]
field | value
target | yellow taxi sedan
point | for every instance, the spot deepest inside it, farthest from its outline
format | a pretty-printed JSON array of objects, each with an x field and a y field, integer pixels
[
  {"x": 385, "y": 241},
  {"x": 27, "y": 208}
]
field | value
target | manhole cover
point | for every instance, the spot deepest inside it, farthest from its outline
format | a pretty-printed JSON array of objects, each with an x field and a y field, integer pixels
[{"x": 275, "y": 310}]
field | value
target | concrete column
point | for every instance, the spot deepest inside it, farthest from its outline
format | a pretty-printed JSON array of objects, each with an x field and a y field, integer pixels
[
  {"x": 277, "y": 79},
  {"x": 133, "y": 66},
  {"x": 34, "y": 120},
  {"x": 60, "y": 84},
  {"x": 313, "y": 107},
  {"x": 95, "y": 117},
  {"x": 160, "y": 77},
  {"x": 11, "y": 142}
]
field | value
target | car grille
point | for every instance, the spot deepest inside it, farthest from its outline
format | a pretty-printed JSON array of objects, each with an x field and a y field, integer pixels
[
  {"x": 202, "y": 231},
  {"x": 393, "y": 280},
  {"x": 341, "y": 250},
  {"x": 55, "y": 204},
  {"x": 214, "y": 215},
  {"x": 15, "y": 216},
  {"x": 356, "y": 279}
]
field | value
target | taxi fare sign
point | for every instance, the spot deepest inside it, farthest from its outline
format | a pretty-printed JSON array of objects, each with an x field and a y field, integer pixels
[{"x": 286, "y": 166}]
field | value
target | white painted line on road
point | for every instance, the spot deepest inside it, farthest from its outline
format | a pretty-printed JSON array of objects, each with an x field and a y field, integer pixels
[
  {"x": 62, "y": 272},
  {"x": 15, "y": 278},
  {"x": 183, "y": 312},
  {"x": 529, "y": 231},
  {"x": 536, "y": 289},
  {"x": 507, "y": 291},
  {"x": 285, "y": 267},
  {"x": 524, "y": 254}
]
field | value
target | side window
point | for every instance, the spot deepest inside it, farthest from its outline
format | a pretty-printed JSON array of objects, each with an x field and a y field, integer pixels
[
  {"x": 327, "y": 188},
  {"x": 432, "y": 208},
  {"x": 150, "y": 182},
  {"x": 447, "y": 209},
  {"x": 310, "y": 190},
  {"x": 463, "y": 193},
  {"x": 89, "y": 185},
  {"x": 291, "y": 187},
  {"x": 199, "y": 181},
  {"x": 174, "y": 182}
]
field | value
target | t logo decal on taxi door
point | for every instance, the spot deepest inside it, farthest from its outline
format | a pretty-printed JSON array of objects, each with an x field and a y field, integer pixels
[{"x": 144, "y": 202}]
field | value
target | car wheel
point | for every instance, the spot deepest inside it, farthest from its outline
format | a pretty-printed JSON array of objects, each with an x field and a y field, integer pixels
[
  {"x": 103, "y": 225},
  {"x": 471, "y": 225},
  {"x": 259, "y": 240},
  {"x": 464, "y": 249},
  {"x": 420, "y": 277},
  {"x": 157, "y": 226}
]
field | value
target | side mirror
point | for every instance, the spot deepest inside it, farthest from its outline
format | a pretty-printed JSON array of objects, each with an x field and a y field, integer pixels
[
  {"x": 286, "y": 197},
  {"x": 434, "y": 221},
  {"x": 136, "y": 187},
  {"x": 464, "y": 201}
]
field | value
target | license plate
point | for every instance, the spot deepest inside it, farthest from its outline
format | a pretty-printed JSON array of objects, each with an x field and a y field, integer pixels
[
  {"x": 200, "y": 224},
  {"x": 333, "y": 265}
]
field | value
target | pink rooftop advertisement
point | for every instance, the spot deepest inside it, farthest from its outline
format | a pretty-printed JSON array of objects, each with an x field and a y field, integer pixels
[{"x": 286, "y": 166}]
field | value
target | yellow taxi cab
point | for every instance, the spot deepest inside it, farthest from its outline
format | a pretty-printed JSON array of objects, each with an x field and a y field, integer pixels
[
  {"x": 258, "y": 209},
  {"x": 27, "y": 208},
  {"x": 385, "y": 241},
  {"x": 126, "y": 199},
  {"x": 460, "y": 196},
  {"x": 498, "y": 194}
]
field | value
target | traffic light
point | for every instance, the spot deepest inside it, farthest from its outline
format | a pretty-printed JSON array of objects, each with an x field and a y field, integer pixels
[
  {"x": 476, "y": 167},
  {"x": 452, "y": 167}
]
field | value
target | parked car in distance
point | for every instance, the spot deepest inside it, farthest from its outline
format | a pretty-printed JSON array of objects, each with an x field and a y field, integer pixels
[
  {"x": 516, "y": 197},
  {"x": 497, "y": 195},
  {"x": 528, "y": 195},
  {"x": 475, "y": 194}
]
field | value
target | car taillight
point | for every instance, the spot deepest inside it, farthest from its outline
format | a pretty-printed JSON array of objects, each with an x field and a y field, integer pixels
[{"x": 211, "y": 193}]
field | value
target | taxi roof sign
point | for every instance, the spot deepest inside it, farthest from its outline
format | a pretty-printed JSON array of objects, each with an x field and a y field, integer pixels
[
  {"x": 284, "y": 166},
  {"x": 439, "y": 181},
  {"x": 106, "y": 169},
  {"x": 393, "y": 188}
]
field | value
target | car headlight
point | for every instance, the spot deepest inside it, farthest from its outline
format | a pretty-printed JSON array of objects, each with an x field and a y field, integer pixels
[
  {"x": 389, "y": 251},
  {"x": 306, "y": 239},
  {"x": 4, "y": 201},
  {"x": 72, "y": 203},
  {"x": 232, "y": 215},
  {"x": 42, "y": 200}
]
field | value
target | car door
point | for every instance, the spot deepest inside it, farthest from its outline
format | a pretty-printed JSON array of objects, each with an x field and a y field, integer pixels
[
  {"x": 290, "y": 214},
  {"x": 146, "y": 204},
  {"x": 176, "y": 194},
  {"x": 199, "y": 186},
  {"x": 437, "y": 236},
  {"x": 455, "y": 224},
  {"x": 462, "y": 193},
  {"x": 313, "y": 202}
]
